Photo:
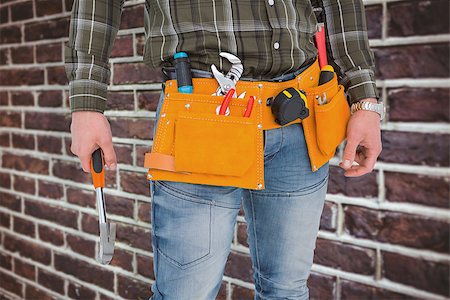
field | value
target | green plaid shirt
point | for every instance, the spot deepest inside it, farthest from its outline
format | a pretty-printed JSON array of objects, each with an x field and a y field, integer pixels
[{"x": 271, "y": 37}]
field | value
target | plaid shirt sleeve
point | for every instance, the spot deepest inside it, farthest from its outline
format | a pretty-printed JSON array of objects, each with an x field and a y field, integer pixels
[
  {"x": 93, "y": 28},
  {"x": 348, "y": 43}
]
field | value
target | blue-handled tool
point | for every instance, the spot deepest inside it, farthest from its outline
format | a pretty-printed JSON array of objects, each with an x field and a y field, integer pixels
[{"x": 183, "y": 71}]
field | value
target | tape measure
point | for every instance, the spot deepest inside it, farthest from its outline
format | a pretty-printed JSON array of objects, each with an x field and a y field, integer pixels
[{"x": 289, "y": 105}]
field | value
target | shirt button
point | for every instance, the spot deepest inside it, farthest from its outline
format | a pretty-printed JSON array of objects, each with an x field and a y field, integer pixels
[
  {"x": 271, "y": 2},
  {"x": 276, "y": 45}
]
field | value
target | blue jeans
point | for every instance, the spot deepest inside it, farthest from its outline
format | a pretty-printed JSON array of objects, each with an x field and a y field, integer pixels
[{"x": 193, "y": 225}]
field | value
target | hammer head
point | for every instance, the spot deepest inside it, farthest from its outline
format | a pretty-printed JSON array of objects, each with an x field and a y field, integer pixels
[{"x": 106, "y": 243}]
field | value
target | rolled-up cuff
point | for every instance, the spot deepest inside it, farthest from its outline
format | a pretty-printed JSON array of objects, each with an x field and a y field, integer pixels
[
  {"x": 85, "y": 94},
  {"x": 361, "y": 85}
]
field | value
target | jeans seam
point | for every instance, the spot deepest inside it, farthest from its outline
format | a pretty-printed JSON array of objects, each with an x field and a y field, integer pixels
[{"x": 255, "y": 238}]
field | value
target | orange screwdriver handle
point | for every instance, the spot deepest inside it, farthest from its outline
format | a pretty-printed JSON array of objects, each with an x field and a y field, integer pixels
[{"x": 97, "y": 169}]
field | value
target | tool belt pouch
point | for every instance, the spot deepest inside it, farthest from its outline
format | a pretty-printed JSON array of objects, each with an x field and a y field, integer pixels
[
  {"x": 326, "y": 127},
  {"x": 193, "y": 144}
]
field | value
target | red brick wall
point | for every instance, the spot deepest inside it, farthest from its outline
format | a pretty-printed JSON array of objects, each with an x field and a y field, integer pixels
[{"x": 383, "y": 235}]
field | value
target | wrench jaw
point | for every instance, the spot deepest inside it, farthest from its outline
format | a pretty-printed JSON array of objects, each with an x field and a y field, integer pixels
[{"x": 228, "y": 81}]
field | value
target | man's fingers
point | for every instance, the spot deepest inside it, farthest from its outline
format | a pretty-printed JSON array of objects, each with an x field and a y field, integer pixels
[
  {"x": 85, "y": 163},
  {"x": 349, "y": 153},
  {"x": 109, "y": 154},
  {"x": 366, "y": 160}
]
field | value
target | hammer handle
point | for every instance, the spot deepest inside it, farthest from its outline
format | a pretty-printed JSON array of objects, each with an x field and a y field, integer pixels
[{"x": 97, "y": 169}]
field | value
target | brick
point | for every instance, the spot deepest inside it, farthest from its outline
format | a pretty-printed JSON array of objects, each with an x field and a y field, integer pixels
[
  {"x": 22, "y": 99},
  {"x": 328, "y": 218},
  {"x": 132, "y": 17},
  {"x": 51, "y": 281},
  {"x": 138, "y": 128},
  {"x": 145, "y": 266},
  {"x": 123, "y": 46},
  {"x": 57, "y": 75},
  {"x": 222, "y": 294},
  {"x": 10, "y": 34},
  {"x": 140, "y": 43},
  {"x": 419, "y": 273},
  {"x": 239, "y": 266},
  {"x": 47, "y": 121},
  {"x": 4, "y": 141},
  {"x": 321, "y": 286},
  {"x": 242, "y": 235},
  {"x": 25, "y": 185},
  {"x": 70, "y": 171},
  {"x": 50, "y": 190},
  {"x": 413, "y": 61},
  {"x": 22, "y": 55},
  {"x": 27, "y": 249},
  {"x": 123, "y": 259},
  {"x": 81, "y": 246},
  {"x": 129, "y": 288},
  {"x": 81, "y": 197},
  {"x": 10, "y": 119},
  {"x": 5, "y": 180},
  {"x": 356, "y": 291},
  {"x": 49, "y": 144},
  {"x": 24, "y": 269},
  {"x": 140, "y": 154},
  {"x": 51, "y": 235},
  {"x": 120, "y": 101},
  {"x": 374, "y": 17},
  {"x": 5, "y": 220},
  {"x": 361, "y": 186},
  {"x": 144, "y": 211},
  {"x": 84, "y": 271},
  {"x": 22, "y": 141},
  {"x": 24, "y": 227},
  {"x": 134, "y": 236},
  {"x": 50, "y": 29},
  {"x": 4, "y": 60},
  {"x": 420, "y": 18},
  {"x": 89, "y": 224},
  {"x": 4, "y": 15},
  {"x": 148, "y": 100},
  {"x": 135, "y": 73},
  {"x": 345, "y": 257},
  {"x": 4, "y": 98},
  {"x": 240, "y": 292},
  {"x": 10, "y": 201},
  {"x": 25, "y": 163},
  {"x": 22, "y": 11},
  {"x": 397, "y": 228},
  {"x": 415, "y": 148},
  {"x": 28, "y": 76},
  {"x": 119, "y": 206},
  {"x": 135, "y": 183},
  {"x": 80, "y": 292},
  {"x": 5, "y": 261},
  {"x": 50, "y": 99},
  {"x": 49, "y": 53},
  {"x": 11, "y": 284},
  {"x": 124, "y": 153},
  {"x": 417, "y": 188},
  {"x": 55, "y": 214},
  {"x": 48, "y": 7},
  {"x": 406, "y": 105},
  {"x": 33, "y": 293}
]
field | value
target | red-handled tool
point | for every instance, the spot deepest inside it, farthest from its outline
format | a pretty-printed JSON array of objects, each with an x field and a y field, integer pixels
[
  {"x": 107, "y": 233},
  {"x": 226, "y": 101},
  {"x": 321, "y": 45},
  {"x": 250, "y": 103}
]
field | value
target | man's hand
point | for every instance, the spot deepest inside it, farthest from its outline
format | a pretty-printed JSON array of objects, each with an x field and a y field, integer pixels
[
  {"x": 91, "y": 130},
  {"x": 363, "y": 129}
]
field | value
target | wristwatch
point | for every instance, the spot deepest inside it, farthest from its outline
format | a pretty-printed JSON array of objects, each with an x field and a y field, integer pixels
[{"x": 367, "y": 105}]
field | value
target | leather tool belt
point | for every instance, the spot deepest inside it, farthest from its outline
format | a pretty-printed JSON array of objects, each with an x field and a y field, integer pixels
[{"x": 193, "y": 144}]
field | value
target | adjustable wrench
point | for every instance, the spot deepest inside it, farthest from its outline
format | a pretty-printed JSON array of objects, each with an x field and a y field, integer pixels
[{"x": 227, "y": 82}]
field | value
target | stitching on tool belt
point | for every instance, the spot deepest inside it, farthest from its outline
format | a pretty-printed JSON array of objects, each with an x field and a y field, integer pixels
[{"x": 215, "y": 120}]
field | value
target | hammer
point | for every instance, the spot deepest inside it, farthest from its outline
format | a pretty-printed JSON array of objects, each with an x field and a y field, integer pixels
[{"x": 107, "y": 233}]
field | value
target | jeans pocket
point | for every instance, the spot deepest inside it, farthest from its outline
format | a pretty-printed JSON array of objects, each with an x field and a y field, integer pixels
[{"x": 182, "y": 227}]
